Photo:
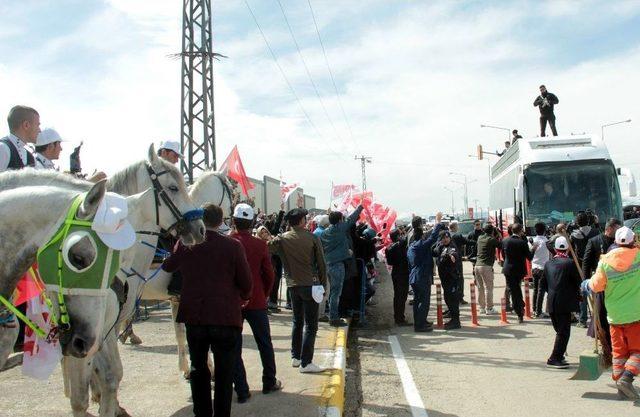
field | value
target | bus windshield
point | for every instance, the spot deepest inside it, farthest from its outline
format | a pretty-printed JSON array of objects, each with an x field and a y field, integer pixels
[{"x": 556, "y": 192}]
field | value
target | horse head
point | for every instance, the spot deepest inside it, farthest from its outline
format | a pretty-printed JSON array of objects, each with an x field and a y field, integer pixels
[
  {"x": 175, "y": 211},
  {"x": 213, "y": 187}
]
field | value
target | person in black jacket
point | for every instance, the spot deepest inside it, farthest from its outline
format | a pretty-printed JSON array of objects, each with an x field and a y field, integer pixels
[
  {"x": 461, "y": 242},
  {"x": 274, "y": 230},
  {"x": 599, "y": 245},
  {"x": 545, "y": 101},
  {"x": 447, "y": 255},
  {"x": 516, "y": 253},
  {"x": 561, "y": 280},
  {"x": 397, "y": 258}
]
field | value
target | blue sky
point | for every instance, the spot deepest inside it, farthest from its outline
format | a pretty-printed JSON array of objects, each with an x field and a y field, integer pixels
[{"x": 416, "y": 80}]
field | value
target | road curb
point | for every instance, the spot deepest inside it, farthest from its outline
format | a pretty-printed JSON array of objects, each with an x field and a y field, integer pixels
[{"x": 332, "y": 397}]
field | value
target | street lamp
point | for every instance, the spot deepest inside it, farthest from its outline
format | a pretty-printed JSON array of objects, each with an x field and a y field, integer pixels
[
  {"x": 466, "y": 191},
  {"x": 452, "y": 208},
  {"x": 500, "y": 128},
  {"x": 612, "y": 124}
]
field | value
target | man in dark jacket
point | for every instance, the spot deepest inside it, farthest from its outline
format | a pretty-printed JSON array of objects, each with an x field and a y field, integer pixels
[
  {"x": 545, "y": 101},
  {"x": 396, "y": 255},
  {"x": 599, "y": 245},
  {"x": 461, "y": 243},
  {"x": 216, "y": 281},
  {"x": 255, "y": 312},
  {"x": 561, "y": 280},
  {"x": 447, "y": 255},
  {"x": 274, "y": 229},
  {"x": 579, "y": 239},
  {"x": 420, "y": 258},
  {"x": 516, "y": 253},
  {"x": 485, "y": 255}
]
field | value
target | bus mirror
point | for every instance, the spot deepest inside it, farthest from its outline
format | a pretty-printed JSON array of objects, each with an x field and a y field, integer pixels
[
  {"x": 631, "y": 181},
  {"x": 480, "y": 152},
  {"x": 520, "y": 189}
]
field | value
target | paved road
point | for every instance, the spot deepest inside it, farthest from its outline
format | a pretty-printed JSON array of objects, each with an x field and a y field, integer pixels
[
  {"x": 153, "y": 387},
  {"x": 490, "y": 371}
]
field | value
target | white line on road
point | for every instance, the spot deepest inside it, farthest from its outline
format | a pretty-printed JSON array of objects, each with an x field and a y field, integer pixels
[{"x": 410, "y": 390}]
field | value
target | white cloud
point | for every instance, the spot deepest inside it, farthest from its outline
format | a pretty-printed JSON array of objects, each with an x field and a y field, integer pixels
[{"x": 416, "y": 84}]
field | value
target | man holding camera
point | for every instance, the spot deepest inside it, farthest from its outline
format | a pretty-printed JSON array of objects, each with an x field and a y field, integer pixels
[{"x": 545, "y": 101}]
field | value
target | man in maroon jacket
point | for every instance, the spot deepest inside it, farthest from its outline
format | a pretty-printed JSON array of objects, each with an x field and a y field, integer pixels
[
  {"x": 216, "y": 281},
  {"x": 255, "y": 312}
]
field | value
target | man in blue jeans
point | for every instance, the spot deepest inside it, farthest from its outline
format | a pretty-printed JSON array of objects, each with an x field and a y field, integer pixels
[
  {"x": 421, "y": 275},
  {"x": 335, "y": 242},
  {"x": 304, "y": 266}
]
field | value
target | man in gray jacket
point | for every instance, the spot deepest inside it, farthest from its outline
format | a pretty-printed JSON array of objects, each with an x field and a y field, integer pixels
[{"x": 335, "y": 242}]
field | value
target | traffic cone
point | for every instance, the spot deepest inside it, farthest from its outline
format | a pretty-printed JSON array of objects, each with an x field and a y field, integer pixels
[
  {"x": 527, "y": 299},
  {"x": 474, "y": 305},
  {"x": 439, "y": 320},
  {"x": 503, "y": 311}
]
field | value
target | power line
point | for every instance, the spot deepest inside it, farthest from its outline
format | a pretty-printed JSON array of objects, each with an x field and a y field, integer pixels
[
  {"x": 304, "y": 63},
  {"x": 333, "y": 81},
  {"x": 286, "y": 79}
]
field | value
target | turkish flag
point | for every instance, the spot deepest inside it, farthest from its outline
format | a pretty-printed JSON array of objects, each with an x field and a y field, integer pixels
[{"x": 233, "y": 168}]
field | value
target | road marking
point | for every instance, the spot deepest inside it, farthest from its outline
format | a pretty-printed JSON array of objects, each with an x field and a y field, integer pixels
[{"x": 410, "y": 390}]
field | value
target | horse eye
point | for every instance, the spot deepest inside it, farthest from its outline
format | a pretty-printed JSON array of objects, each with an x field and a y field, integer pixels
[{"x": 173, "y": 188}]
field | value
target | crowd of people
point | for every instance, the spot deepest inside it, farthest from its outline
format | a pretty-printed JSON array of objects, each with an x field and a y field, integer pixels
[
  {"x": 328, "y": 263},
  {"x": 567, "y": 263}
]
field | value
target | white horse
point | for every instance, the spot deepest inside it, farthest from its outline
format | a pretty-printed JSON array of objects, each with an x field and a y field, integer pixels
[
  {"x": 33, "y": 205},
  {"x": 162, "y": 203}
]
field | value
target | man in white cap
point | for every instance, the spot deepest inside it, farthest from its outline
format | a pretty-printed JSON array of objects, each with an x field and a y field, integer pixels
[
  {"x": 48, "y": 148},
  {"x": 170, "y": 151},
  {"x": 24, "y": 126},
  {"x": 561, "y": 280},
  {"x": 255, "y": 311},
  {"x": 618, "y": 275}
]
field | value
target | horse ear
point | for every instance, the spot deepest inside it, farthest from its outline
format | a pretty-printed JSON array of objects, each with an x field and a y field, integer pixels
[
  {"x": 92, "y": 200},
  {"x": 153, "y": 156}
]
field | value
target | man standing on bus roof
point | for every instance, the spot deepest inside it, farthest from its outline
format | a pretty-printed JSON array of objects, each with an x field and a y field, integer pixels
[{"x": 546, "y": 101}]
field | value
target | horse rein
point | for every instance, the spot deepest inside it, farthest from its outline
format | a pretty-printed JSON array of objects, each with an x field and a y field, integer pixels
[{"x": 160, "y": 196}]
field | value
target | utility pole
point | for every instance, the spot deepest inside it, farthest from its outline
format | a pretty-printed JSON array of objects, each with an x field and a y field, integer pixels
[
  {"x": 364, "y": 160},
  {"x": 197, "y": 127}
]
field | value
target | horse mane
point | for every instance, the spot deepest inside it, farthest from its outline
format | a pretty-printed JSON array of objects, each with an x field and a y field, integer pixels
[
  {"x": 121, "y": 182},
  {"x": 125, "y": 182},
  {"x": 33, "y": 177},
  {"x": 201, "y": 180}
]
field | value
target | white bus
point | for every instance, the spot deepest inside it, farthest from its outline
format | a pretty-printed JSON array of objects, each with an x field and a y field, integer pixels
[{"x": 551, "y": 179}]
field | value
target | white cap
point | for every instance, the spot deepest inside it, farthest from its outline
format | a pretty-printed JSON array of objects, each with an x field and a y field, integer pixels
[
  {"x": 111, "y": 224},
  {"x": 561, "y": 243},
  {"x": 323, "y": 220},
  {"x": 171, "y": 145},
  {"x": 243, "y": 211},
  {"x": 48, "y": 136},
  {"x": 625, "y": 236}
]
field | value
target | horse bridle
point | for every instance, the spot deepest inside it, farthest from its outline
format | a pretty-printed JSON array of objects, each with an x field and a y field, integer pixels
[{"x": 161, "y": 196}]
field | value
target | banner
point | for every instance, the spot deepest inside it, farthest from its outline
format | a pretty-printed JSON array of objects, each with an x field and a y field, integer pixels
[
  {"x": 41, "y": 357},
  {"x": 287, "y": 190},
  {"x": 233, "y": 168},
  {"x": 341, "y": 196}
]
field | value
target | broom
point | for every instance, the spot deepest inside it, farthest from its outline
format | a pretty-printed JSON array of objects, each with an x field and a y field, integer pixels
[{"x": 592, "y": 364}]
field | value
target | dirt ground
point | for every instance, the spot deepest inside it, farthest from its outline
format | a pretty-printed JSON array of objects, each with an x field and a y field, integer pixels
[{"x": 153, "y": 386}]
